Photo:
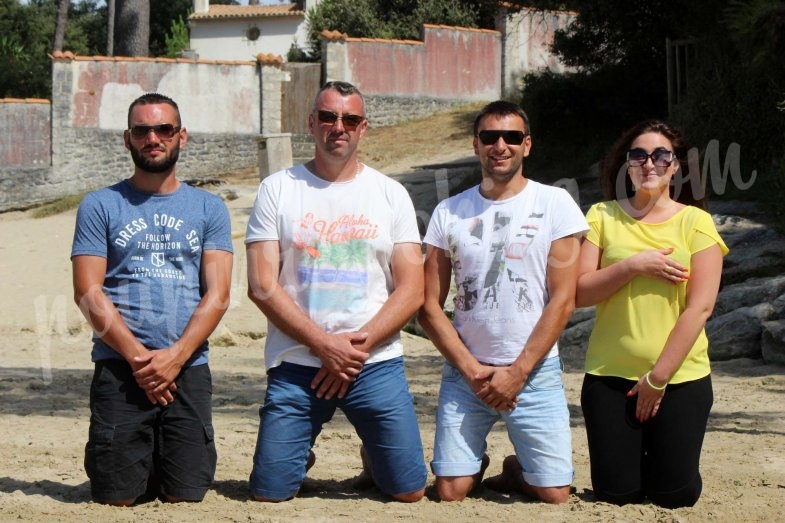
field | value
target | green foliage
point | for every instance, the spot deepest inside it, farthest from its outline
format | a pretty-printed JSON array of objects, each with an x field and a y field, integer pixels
[
  {"x": 88, "y": 19},
  {"x": 621, "y": 32},
  {"x": 297, "y": 54},
  {"x": 28, "y": 31},
  {"x": 14, "y": 62},
  {"x": 163, "y": 17},
  {"x": 177, "y": 40},
  {"x": 574, "y": 119},
  {"x": 736, "y": 89},
  {"x": 735, "y": 85}
]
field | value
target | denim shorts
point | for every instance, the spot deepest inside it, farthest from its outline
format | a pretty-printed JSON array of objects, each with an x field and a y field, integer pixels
[
  {"x": 132, "y": 441},
  {"x": 539, "y": 427},
  {"x": 378, "y": 405}
]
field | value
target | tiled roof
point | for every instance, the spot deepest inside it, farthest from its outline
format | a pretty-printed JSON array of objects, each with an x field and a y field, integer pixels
[
  {"x": 24, "y": 101},
  {"x": 68, "y": 56},
  {"x": 249, "y": 11}
]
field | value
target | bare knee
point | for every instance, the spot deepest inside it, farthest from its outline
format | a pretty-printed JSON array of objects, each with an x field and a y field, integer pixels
[
  {"x": 410, "y": 497},
  {"x": 454, "y": 488},
  {"x": 553, "y": 495}
]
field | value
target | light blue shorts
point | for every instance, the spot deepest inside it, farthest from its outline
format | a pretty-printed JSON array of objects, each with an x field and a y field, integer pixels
[
  {"x": 379, "y": 406},
  {"x": 539, "y": 427}
]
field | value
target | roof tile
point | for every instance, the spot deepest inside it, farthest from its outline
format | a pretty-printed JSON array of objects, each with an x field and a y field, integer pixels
[{"x": 249, "y": 11}]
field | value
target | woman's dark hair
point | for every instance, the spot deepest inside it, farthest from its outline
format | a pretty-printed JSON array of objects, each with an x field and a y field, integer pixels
[{"x": 684, "y": 187}]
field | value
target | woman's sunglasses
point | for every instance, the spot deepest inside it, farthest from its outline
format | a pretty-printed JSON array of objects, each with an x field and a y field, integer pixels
[{"x": 660, "y": 157}]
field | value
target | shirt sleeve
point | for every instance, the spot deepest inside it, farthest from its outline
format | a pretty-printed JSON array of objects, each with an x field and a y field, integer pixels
[
  {"x": 595, "y": 225},
  {"x": 705, "y": 234},
  {"x": 218, "y": 231},
  {"x": 435, "y": 233},
  {"x": 263, "y": 222},
  {"x": 570, "y": 219},
  {"x": 405, "y": 230},
  {"x": 91, "y": 231}
]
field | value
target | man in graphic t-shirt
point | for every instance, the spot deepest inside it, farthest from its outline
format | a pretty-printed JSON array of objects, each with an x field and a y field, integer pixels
[
  {"x": 512, "y": 245},
  {"x": 152, "y": 262},
  {"x": 334, "y": 263}
]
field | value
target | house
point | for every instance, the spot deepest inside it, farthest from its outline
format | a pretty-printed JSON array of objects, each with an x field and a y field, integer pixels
[{"x": 241, "y": 32}]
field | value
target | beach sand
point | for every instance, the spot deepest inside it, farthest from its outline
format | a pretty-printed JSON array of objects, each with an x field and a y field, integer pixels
[{"x": 45, "y": 373}]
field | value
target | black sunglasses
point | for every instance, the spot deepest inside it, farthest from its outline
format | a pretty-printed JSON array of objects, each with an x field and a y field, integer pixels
[
  {"x": 660, "y": 157},
  {"x": 510, "y": 137},
  {"x": 350, "y": 121},
  {"x": 164, "y": 131}
]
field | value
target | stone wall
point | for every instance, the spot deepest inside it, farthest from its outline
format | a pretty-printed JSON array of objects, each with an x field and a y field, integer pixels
[
  {"x": 22, "y": 187},
  {"x": 388, "y": 110}
]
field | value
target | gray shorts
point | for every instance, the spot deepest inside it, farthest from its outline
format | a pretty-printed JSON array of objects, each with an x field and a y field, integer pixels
[{"x": 134, "y": 445}]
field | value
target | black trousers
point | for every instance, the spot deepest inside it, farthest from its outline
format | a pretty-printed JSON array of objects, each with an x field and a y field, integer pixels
[{"x": 658, "y": 459}]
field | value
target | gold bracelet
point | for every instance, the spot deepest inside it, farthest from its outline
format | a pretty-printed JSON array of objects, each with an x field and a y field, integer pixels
[{"x": 648, "y": 381}]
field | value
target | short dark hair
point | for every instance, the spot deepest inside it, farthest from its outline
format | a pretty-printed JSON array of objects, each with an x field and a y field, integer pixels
[
  {"x": 615, "y": 164},
  {"x": 502, "y": 108},
  {"x": 154, "y": 98},
  {"x": 343, "y": 88}
]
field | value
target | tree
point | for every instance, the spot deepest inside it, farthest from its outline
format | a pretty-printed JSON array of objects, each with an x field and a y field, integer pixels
[
  {"x": 62, "y": 17},
  {"x": 132, "y": 28},
  {"x": 177, "y": 40},
  {"x": 110, "y": 14}
]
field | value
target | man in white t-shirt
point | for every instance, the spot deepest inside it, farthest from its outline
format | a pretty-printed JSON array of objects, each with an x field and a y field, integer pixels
[
  {"x": 334, "y": 263},
  {"x": 512, "y": 244}
]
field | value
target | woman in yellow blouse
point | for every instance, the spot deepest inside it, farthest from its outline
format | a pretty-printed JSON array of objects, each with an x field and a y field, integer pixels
[{"x": 651, "y": 262}]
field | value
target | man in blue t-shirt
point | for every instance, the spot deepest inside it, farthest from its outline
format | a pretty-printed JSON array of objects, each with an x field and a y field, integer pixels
[{"x": 152, "y": 262}]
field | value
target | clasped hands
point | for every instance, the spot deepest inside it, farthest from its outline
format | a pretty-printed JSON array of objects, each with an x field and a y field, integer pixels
[
  {"x": 155, "y": 372},
  {"x": 497, "y": 387},
  {"x": 342, "y": 358}
]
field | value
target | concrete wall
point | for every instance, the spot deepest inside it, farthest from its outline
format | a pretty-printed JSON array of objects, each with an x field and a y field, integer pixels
[
  {"x": 220, "y": 105},
  {"x": 25, "y": 138},
  {"x": 405, "y": 79},
  {"x": 228, "y": 39}
]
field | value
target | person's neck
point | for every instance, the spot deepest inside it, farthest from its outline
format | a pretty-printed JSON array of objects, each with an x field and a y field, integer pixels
[
  {"x": 648, "y": 206},
  {"x": 342, "y": 171},
  {"x": 155, "y": 183},
  {"x": 502, "y": 190}
]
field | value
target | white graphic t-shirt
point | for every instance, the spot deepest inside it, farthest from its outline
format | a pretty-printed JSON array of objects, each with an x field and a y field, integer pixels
[
  {"x": 336, "y": 242},
  {"x": 499, "y": 252}
]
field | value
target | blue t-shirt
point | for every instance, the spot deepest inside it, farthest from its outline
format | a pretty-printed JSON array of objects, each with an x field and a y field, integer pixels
[{"x": 153, "y": 245}]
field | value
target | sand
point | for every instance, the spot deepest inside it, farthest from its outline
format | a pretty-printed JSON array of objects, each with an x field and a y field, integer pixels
[{"x": 45, "y": 372}]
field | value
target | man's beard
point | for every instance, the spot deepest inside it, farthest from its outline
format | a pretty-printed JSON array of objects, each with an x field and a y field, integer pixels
[{"x": 158, "y": 165}]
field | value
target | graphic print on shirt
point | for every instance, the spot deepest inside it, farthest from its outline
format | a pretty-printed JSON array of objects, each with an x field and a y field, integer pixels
[
  {"x": 158, "y": 244},
  {"x": 332, "y": 269},
  {"x": 507, "y": 250}
]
